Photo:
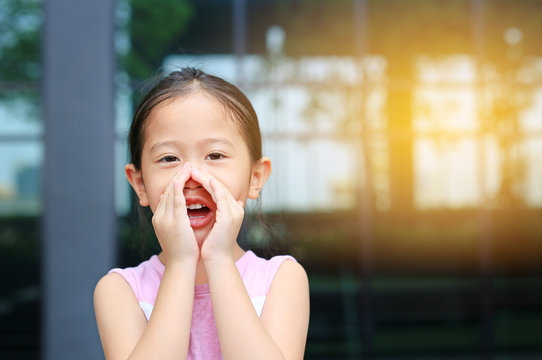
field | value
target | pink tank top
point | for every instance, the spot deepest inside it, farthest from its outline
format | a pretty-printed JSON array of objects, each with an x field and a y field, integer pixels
[{"x": 257, "y": 274}]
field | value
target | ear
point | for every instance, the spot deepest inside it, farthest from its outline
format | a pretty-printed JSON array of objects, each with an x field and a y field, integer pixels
[
  {"x": 260, "y": 173},
  {"x": 136, "y": 180}
]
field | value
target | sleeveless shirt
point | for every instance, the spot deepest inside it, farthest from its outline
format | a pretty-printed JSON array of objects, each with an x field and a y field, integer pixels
[{"x": 257, "y": 275}]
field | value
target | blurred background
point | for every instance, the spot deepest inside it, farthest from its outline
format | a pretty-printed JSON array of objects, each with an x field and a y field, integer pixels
[{"x": 406, "y": 140}]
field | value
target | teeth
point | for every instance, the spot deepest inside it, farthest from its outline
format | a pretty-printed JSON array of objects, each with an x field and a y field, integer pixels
[{"x": 194, "y": 206}]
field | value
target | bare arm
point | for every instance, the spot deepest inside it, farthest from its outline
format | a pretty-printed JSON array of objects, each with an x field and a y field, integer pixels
[
  {"x": 124, "y": 331},
  {"x": 282, "y": 330},
  {"x": 123, "y": 328}
]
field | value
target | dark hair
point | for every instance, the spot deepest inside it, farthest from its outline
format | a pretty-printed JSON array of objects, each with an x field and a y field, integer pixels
[
  {"x": 187, "y": 81},
  {"x": 184, "y": 82}
]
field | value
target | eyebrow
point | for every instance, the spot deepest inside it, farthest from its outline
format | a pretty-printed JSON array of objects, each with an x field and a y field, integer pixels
[
  {"x": 158, "y": 145},
  {"x": 209, "y": 141}
]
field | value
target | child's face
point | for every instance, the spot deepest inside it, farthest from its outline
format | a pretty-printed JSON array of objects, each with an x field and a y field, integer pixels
[{"x": 195, "y": 129}]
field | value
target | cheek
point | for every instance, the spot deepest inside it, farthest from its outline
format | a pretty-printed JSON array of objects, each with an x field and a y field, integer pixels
[
  {"x": 155, "y": 188},
  {"x": 237, "y": 182}
]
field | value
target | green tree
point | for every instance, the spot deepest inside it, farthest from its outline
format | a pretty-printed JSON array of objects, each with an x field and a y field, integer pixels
[
  {"x": 20, "y": 65},
  {"x": 154, "y": 29},
  {"x": 20, "y": 24}
]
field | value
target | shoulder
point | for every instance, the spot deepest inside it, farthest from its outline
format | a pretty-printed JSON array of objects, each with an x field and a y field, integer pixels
[
  {"x": 113, "y": 296},
  {"x": 143, "y": 279},
  {"x": 119, "y": 317},
  {"x": 258, "y": 273},
  {"x": 286, "y": 311},
  {"x": 285, "y": 267},
  {"x": 110, "y": 282},
  {"x": 290, "y": 286},
  {"x": 290, "y": 283},
  {"x": 291, "y": 274},
  {"x": 111, "y": 286}
]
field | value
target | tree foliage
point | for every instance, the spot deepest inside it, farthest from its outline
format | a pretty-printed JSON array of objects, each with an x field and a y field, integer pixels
[
  {"x": 20, "y": 25},
  {"x": 154, "y": 29}
]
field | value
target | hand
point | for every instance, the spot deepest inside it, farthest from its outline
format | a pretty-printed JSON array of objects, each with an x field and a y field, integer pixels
[
  {"x": 171, "y": 223},
  {"x": 229, "y": 215}
]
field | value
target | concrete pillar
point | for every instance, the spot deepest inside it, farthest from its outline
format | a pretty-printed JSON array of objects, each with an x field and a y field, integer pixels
[{"x": 78, "y": 215}]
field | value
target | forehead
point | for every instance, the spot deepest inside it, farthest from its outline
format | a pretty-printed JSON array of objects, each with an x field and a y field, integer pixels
[{"x": 189, "y": 117}]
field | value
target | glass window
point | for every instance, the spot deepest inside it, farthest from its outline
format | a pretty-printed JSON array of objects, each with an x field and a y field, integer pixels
[{"x": 406, "y": 150}]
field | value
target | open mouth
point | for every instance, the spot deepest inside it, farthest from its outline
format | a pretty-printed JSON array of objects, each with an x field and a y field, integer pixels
[
  {"x": 199, "y": 214},
  {"x": 197, "y": 211}
]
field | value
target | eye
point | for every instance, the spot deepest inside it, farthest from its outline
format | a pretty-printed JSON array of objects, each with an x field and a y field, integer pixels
[
  {"x": 214, "y": 156},
  {"x": 169, "y": 158}
]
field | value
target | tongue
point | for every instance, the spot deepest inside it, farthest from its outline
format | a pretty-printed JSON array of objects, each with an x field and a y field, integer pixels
[{"x": 196, "y": 213}]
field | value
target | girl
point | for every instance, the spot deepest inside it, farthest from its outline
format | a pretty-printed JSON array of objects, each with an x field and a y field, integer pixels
[{"x": 195, "y": 147}]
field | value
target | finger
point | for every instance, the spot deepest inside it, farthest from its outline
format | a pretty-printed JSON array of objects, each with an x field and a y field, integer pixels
[
  {"x": 170, "y": 197},
  {"x": 178, "y": 175},
  {"x": 226, "y": 202},
  {"x": 219, "y": 192},
  {"x": 162, "y": 204},
  {"x": 178, "y": 181},
  {"x": 178, "y": 198},
  {"x": 185, "y": 173},
  {"x": 204, "y": 179},
  {"x": 165, "y": 196}
]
